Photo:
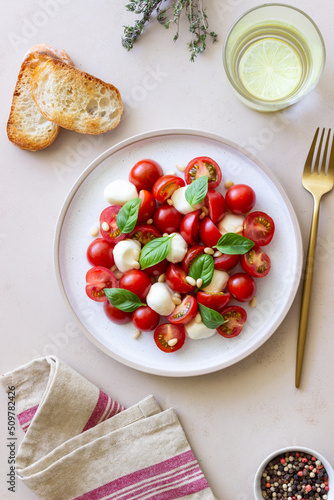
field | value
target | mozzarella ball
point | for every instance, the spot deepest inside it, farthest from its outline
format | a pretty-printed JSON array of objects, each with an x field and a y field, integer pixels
[
  {"x": 180, "y": 203},
  {"x": 178, "y": 249},
  {"x": 197, "y": 331},
  {"x": 126, "y": 255},
  {"x": 159, "y": 298},
  {"x": 119, "y": 192},
  {"x": 231, "y": 223},
  {"x": 218, "y": 282}
]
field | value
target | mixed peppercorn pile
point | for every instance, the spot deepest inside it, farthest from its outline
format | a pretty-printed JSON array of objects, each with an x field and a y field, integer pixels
[{"x": 295, "y": 476}]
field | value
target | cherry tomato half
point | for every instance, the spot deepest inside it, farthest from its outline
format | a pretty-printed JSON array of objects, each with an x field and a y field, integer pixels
[
  {"x": 189, "y": 228},
  {"x": 192, "y": 253},
  {"x": 240, "y": 198},
  {"x": 137, "y": 282},
  {"x": 116, "y": 315},
  {"x": 259, "y": 227},
  {"x": 145, "y": 319},
  {"x": 209, "y": 233},
  {"x": 184, "y": 312},
  {"x": 242, "y": 287},
  {"x": 98, "y": 278},
  {"x": 165, "y": 186},
  {"x": 235, "y": 318},
  {"x": 226, "y": 262},
  {"x": 167, "y": 219},
  {"x": 203, "y": 165},
  {"x": 147, "y": 205},
  {"x": 216, "y": 205},
  {"x": 176, "y": 279},
  {"x": 144, "y": 233},
  {"x": 256, "y": 262},
  {"x": 100, "y": 253},
  {"x": 144, "y": 174},
  {"x": 168, "y": 332},
  {"x": 109, "y": 215},
  {"x": 214, "y": 300}
]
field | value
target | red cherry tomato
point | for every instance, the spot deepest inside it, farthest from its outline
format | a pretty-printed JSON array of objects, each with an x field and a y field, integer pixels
[
  {"x": 165, "y": 186},
  {"x": 216, "y": 205},
  {"x": 157, "y": 269},
  {"x": 185, "y": 312},
  {"x": 240, "y": 198},
  {"x": 109, "y": 215},
  {"x": 144, "y": 174},
  {"x": 100, "y": 253},
  {"x": 98, "y": 278},
  {"x": 147, "y": 205},
  {"x": 145, "y": 319},
  {"x": 203, "y": 165},
  {"x": 242, "y": 287},
  {"x": 192, "y": 253},
  {"x": 137, "y": 282},
  {"x": 256, "y": 262},
  {"x": 189, "y": 228},
  {"x": 116, "y": 315},
  {"x": 235, "y": 318},
  {"x": 168, "y": 332},
  {"x": 214, "y": 300},
  {"x": 226, "y": 262},
  {"x": 176, "y": 279},
  {"x": 144, "y": 233},
  {"x": 167, "y": 219},
  {"x": 209, "y": 233},
  {"x": 259, "y": 227}
]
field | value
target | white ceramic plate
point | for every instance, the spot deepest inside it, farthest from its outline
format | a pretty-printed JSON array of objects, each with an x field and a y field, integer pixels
[{"x": 81, "y": 211}]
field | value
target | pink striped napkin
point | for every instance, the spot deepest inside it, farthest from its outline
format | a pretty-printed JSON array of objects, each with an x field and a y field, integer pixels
[{"x": 81, "y": 444}]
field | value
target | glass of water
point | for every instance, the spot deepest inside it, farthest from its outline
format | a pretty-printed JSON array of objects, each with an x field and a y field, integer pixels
[{"x": 273, "y": 56}]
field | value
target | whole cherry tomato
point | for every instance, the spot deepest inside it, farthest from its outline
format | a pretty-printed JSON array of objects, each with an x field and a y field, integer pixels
[
  {"x": 144, "y": 174},
  {"x": 242, "y": 287},
  {"x": 240, "y": 198},
  {"x": 137, "y": 282},
  {"x": 100, "y": 253},
  {"x": 145, "y": 319},
  {"x": 116, "y": 315},
  {"x": 167, "y": 219}
]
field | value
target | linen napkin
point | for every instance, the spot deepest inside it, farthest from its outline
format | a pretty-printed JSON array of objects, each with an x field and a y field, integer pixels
[{"x": 81, "y": 444}]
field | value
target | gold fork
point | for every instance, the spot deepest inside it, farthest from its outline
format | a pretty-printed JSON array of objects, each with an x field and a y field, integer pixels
[{"x": 318, "y": 181}]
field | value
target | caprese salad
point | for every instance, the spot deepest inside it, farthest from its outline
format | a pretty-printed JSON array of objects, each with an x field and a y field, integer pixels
[{"x": 175, "y": 255}]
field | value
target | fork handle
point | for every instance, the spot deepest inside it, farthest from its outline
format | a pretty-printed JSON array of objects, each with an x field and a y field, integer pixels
[{"x": 307, "y": 290}]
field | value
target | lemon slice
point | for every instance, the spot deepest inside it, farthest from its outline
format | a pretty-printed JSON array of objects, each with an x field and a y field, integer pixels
[{"x": 270, "y": 69}]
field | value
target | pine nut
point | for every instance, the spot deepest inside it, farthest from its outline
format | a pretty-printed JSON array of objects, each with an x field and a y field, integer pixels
[
  {"x": 180, "y": 167},
  {"x": 253, "y": 302},
  {"x": 202, "y": 215},
  {"x": 198, "y": 318},
  {"x": 170, "y": 202},
  {"x": 105, "y": 226},
  {"x": 205, "y": 210},
  {"x": 209, "y": 250},
  {"x": 94, "y": 231},
  {"x": 228, "y": 184},
  {"x": 191, "y": 281},
  {"x": 149, "y": 221},
  {"x": 199, "y": 282},
  {"x": 162, "y": 278},
  {"x": 172, "y": 342},
  {"x": 118, "y": 275},
  {"x": 113, "y": 268},
  {"x": 171, "y": 172},
  {"x": 165, "y": 234},
  {"x": 177, "y": 301},
  {"x": 217, "y": 254},
  {"x": 177, "y": 294},
  {"x": 136, "y": 334}
]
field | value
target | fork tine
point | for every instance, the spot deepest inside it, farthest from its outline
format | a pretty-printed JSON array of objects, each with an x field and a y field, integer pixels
[
  {"x": 308, "y": 163},
  {"x": 317, "y": 160},
  {"x": 331, "y": 161},
  {"x": 326, "y": 154}
]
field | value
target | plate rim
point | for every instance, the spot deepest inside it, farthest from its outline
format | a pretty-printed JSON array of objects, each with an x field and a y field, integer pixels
[{"x": 151, "y": 134}]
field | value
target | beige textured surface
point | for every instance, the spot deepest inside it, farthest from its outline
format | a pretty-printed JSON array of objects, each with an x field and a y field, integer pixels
[{"x": 233, "y": 418}]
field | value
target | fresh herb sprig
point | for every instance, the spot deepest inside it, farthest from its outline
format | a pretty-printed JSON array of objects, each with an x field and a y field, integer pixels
[{"x": 154, "y": 9}]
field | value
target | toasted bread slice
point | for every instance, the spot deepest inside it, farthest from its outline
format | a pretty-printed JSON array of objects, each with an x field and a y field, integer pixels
[
  {"x": 27, "y": 128},
  {"x": 74, "y": 99}
]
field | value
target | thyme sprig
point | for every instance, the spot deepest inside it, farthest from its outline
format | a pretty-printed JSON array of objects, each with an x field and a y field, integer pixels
[{"x": 151, "y": 10}]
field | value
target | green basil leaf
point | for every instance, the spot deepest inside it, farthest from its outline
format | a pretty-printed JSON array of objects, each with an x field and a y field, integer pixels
[
  {"x": 128, "y": 215},
  {"x": 155, "y": 251},
  {"x": 211, "y": 318},
  {"x": 196, "y": 191},
  {"x": 234, "y": 244},
  {"x": 123, "y": 299},
  {"x": 202, "y": 267}
]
